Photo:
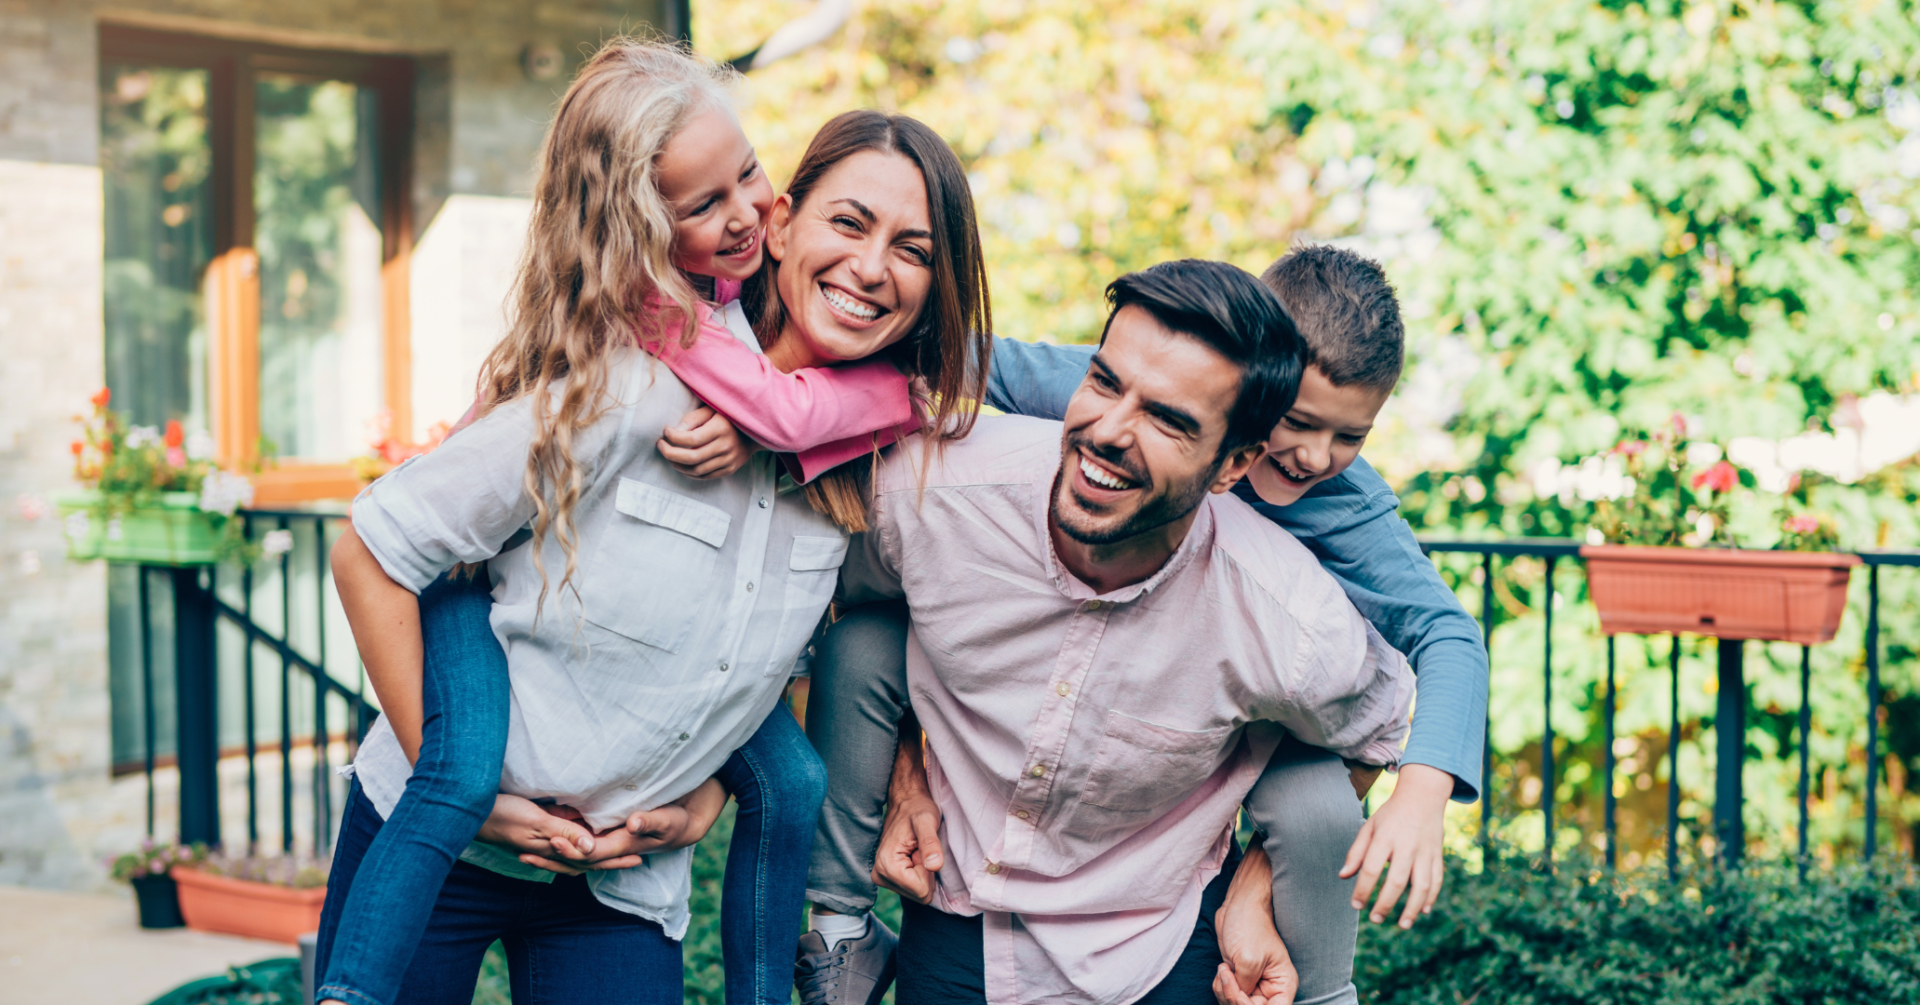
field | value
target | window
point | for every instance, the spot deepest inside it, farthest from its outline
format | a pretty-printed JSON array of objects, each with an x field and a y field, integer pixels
[{"x": 257, "y": 246}]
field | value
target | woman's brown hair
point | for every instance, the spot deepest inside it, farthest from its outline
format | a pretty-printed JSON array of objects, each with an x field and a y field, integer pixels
[{"x": 950, "y": 345}]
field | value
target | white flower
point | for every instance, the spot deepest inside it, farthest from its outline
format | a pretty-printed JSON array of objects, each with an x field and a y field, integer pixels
[
  {"x": 1701, "y": 454},
  {"x": 143, "y": 436},
  {"x": 199, "y": 445},
  {"x": 113, "y": 529},
  {"x": 223, "y": 492},
  {"x": 79, "y": 525},
  {"x": 277, "y": 543}
]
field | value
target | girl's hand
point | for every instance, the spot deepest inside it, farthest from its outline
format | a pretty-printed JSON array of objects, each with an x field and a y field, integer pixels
[
  {"x": 706, "y": 445},
  {"x": 552, "y": 840}
]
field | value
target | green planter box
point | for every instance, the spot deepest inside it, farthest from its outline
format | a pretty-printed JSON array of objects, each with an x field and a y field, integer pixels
[{"x": 170, "y": 531}]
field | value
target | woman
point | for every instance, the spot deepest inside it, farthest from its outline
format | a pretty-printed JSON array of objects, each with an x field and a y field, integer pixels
[{"x": 693, "y": 599}]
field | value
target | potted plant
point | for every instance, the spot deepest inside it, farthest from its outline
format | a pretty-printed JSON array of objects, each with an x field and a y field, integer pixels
[
  {"x": 387, "y": 450},
  {"x": 151, "y": 495},
  {"x": 277, "y": 899},
  {"x": 1668, "y": 562},
  {"x": 147, "y": 871}
]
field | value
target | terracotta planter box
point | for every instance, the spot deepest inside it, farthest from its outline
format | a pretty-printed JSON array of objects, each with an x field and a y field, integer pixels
[
  {"x": 1783, "y": 596},
  {"x": 172, "y": 531},
  {"x": 238, "y": 907}
]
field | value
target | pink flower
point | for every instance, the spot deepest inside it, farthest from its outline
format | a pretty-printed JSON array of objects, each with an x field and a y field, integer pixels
[
  {"x": 176, "y": 457},
  {"x": 1722, "y": 477},
  {"x": 157, "y": 866},
  {"x": 1802, "y": 524},
  {"x": 1631, "y": 448}
]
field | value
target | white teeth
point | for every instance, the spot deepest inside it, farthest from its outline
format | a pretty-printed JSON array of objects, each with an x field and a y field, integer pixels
[
  {"x": 1099, "y": 477},
  {"x": 743, "y": 246},
  {"x": 847, "y": 305}
]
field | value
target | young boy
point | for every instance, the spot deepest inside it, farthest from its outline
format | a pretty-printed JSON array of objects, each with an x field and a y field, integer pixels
[{"x": 1313, "y": 484}]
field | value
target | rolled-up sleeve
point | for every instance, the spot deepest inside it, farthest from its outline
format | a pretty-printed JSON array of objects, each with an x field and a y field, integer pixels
[{"x": 457, "y": 504}]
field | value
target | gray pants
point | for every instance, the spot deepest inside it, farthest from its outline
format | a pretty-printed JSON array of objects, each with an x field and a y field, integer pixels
[{"x": 1304, "y": 803}]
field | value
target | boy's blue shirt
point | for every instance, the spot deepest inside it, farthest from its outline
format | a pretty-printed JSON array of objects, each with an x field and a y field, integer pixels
[{"x": 1351, "y": 523}]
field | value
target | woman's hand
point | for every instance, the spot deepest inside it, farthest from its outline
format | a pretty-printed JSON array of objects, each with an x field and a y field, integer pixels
[
  {"x": 705, "y": 444},
  {"x": 1403, "y": 837},
  {"x": 677, "y": 824},
  {"x": 1256, "y": 969},
  {"x": 542, "y": 836}
]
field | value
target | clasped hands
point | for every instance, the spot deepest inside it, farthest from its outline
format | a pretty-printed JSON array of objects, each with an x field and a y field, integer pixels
[{"x": 557, "y": 839}]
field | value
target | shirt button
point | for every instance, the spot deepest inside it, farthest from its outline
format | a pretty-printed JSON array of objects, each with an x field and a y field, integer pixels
[
  {"x": 993, "y": 868},
  {"x": 1038, "y": 771},
  {"x": 724, "y": 667},
  {"x": 1093, "y": 605},
  {"x": 631, "y": 787},
  {"x": 1022, "y": 814},
  {"x": 1062, "y": 689},
  {"x": 763, "y": 502},
  {"x": 686, "y": 736}
]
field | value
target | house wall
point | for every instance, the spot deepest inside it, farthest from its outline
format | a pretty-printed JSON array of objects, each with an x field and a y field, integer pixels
[{"x": 479, "y": 125}]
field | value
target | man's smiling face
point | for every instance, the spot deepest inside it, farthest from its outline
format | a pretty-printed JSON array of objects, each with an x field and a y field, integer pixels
[{"x": 1140, "y": 445}]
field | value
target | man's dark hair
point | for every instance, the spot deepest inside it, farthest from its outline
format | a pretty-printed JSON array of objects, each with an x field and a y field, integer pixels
[
  {"x": 1230, "y": 311},
  {"x": 1346, "y": 312}
]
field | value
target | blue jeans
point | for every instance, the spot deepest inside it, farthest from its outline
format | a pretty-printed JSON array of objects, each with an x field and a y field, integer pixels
[
  {"x": 776, "y": 779},
  {"x": 463, "y": 739},
  {"x": 778, "y": 783},
  {"x": 563, "y": 946}
]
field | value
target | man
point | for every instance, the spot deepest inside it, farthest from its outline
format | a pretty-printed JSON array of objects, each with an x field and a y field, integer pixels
[
  {"x": 1105, "y": 650},
  {"x": 1313, "y": 484}
]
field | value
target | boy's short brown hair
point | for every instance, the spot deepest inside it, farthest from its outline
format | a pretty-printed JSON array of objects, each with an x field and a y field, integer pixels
[{"x": 1346, "y": 313}]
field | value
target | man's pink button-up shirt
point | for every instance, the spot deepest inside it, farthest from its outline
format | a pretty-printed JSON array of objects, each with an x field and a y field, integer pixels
[{"x": 1089, "y": 751}]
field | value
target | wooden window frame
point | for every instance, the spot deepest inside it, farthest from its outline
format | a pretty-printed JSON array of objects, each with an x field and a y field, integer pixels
[{"x": 233, "y": 277}]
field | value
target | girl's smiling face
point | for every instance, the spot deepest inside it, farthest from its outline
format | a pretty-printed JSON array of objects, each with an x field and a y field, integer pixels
[
  {"x": 1317, "y": 439},
  {"x": 719, "y": 196}
]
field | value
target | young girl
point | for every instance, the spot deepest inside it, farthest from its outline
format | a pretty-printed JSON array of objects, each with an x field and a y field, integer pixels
[{"x": 645, "y": 169}]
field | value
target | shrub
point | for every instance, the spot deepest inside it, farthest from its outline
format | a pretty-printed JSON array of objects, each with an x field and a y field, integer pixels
[{"x": 1517, "y": 934}]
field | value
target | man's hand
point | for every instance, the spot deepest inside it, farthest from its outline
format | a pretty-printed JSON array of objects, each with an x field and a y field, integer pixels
[
  {"x": 1256, "y": 968},
  {"x": 1402, "y": 837},
  {"x": 909, "y": 852},
  {"x": 704, "y": 444}
]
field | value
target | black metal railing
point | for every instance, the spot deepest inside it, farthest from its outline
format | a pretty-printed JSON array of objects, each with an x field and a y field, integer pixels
[
  {"x": 209, "y": 598},
  {"x": 1729, "y": 802}
]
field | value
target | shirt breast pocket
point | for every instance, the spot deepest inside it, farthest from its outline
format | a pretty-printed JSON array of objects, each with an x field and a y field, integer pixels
[
  {"x": 650, "y": 575},
  {"x": 813, "y": 569},
  {"x": 1142, "y": 766}
]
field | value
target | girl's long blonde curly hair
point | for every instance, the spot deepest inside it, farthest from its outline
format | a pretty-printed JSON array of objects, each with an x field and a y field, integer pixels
[{"x": 597, "y": 260}]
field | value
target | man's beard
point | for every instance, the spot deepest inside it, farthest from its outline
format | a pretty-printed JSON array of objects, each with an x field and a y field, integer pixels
[{"x": 1157, "y": 510}]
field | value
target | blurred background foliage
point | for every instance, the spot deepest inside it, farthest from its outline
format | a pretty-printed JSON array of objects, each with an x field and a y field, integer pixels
[{"x": 1599, "y": 215}]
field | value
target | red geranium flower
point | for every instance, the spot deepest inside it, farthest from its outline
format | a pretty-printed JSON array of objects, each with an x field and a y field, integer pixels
[
  {"x": 175, "y": 436},
  {"x": 1722, "y": 477},
  {"x": 101, "y": 397}
]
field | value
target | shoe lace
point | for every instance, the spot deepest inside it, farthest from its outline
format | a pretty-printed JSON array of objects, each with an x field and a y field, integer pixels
[{"x": 828, "y": 968}]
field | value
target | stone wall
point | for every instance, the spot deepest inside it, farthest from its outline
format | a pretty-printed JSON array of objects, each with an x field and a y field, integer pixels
[{"x": 480, "y": 120}]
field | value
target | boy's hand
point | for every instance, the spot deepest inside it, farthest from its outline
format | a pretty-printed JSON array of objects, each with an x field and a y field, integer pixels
[
  {"x": 704, "y": 444},
  {"x": 1403, "y": 838},
  {"x": 1256, "y": 969}
]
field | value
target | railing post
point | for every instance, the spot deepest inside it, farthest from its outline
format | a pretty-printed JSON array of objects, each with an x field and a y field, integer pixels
[
  {"x": 1806, "y": 737},
  {"x": 1606, "y": 781},
  {"x": 1873, "y": 710},
  {"x": 146, "y": 685},
  {"x": 322, "y": 753},
  {"x": 1546, "y": 743},
  {"x": 1486, "y": 732},
  {"x": 1673, "y": 761},
  {"x": 246, "y": 669},
  {"x": 196, "y": 697},
  {"x": 1730, "y": 737},
  {"x": 286, "y": 702}
]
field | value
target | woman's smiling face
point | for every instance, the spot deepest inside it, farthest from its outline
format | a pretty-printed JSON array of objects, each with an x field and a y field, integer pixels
[{"x": 854, "y": 260}]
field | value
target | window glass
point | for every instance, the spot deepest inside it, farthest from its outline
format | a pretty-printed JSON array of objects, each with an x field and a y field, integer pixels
[
  {"x": 156, "y": 162},
  {"x": 316, "y": 202}
]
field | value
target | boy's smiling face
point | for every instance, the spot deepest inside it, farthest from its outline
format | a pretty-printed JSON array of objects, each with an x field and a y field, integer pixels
[{"x": 1317, "y": 439}]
